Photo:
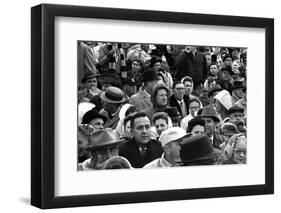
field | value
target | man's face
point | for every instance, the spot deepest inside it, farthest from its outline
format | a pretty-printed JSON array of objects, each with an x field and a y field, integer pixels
[
  {"x": 208, "y": 59},
  {"x": 210, "y": 126},
  {"x": 92, "y": 82},
  {"x": 141, "y": 130},
  {"x": 97, "y": 123},
  {"x": 188, "y": 86},
  {"x": 198, "y": 130},
  {"x": 161, "y": 125},
  {"x": 213, "y": 69},
  {"x": 162, "y": 97},
  {"x": 236, "y": 116},
  {"x": 135, "y": 66},
  {"x": 104, "y": 154},
  {"x": 173, "y": 150},
  {"x": 226, "y": 75},
  {"x": 193, "y": 107},
  {"x": 157, "y": 66},
  {"x": 228, "y": 62},
  {"x": 179, "y": 91},
  {"x": 239, "y": 92},
  {"x": 109, "y": 107}
]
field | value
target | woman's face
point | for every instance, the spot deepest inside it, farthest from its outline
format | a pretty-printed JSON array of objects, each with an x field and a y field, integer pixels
[
  {"x": 213, "y": 69},
  {"x": 240, "y": 151}
]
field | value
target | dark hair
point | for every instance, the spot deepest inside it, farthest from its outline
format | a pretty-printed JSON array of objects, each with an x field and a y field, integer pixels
[
  {"x": 195, "y": 100},
  {"x": 175, "y": 83},
  {"x": 195, "y": 121},
  {"x": 187, "y": 78},
  {"x": 130, "y": 110},
  {"x": 135, "y": 116},
  {"x": 128, "y": 118},
  {"x": 160, "y": 115}
]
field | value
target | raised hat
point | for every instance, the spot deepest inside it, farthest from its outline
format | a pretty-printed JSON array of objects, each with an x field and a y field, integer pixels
[
  {"x": 198, "y": 148},
  {"x": 209, "y": 111},
  {"x": 113, "y": 95},
  {"x": 92, "y": 114},
  {"x": 103, "y": 138},
  {"x": 171, "y": 134},
  {"x": 117, "y": 162}
]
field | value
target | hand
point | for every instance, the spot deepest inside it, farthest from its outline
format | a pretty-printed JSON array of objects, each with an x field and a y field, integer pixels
[{"x": 94, "y": 91}]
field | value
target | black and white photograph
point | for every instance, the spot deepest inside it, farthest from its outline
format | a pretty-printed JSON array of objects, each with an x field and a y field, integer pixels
[{"x": 160, "y": 105}]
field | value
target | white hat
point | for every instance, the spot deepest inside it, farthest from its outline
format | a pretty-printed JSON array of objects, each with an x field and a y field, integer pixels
[{"x": 171, "y": 134}]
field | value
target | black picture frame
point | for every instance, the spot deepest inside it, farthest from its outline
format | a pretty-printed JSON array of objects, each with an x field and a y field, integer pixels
[{"x": 43, "y": 105}]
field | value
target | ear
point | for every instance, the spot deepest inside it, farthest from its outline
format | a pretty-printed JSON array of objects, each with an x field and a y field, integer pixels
[{"x": 166, "y": 149}]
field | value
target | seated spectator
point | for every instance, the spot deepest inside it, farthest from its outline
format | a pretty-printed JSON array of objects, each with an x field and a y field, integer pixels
[
  {"x": 196, "y": 126},
  {"x": 222, "y": 103},
  {"x": 103, "y": 145},
  {"x": 141, "y": 149},
  {"x": 170, "y": 140},
  {"x": 197, "y": 150},
  {"x": 174, "y": 115},
  {"x": 160, "y": 121},
  {"x": 194, "y": 106},
  {"x": 159, "y": 98},
  {"x": 235, "y": 151},
  {"x": 90, "y": 84}
]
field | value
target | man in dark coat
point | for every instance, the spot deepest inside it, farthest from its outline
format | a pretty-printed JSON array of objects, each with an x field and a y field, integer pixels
[
  {"x": 211, "y": 121},
  {"x": 179, "y": 99},
  {"x": 192, "y": 63},
  {"x": 141, "y": 149}
]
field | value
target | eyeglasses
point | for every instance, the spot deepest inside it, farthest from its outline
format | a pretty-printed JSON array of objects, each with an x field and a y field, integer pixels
[{"x": 239, "y": 151}]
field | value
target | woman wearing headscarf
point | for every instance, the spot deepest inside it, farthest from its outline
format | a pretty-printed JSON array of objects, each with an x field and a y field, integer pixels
[
  {"x": 235, "y": 151},
  {"x": 222, "y": 102}
]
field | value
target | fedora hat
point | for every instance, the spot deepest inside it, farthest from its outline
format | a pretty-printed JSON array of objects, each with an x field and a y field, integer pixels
[
  {"x": 235, "y": 108},
  {"x": 216, "y": 88},
  {"x": 113, "y": 95},
  {"x": 198, "y": 148},
  {"x": 154, "y": 60},
  {"x": 149, "y": 75},
  {"x": 238, "y": 85},
  {"x": 171, "y": 134},
  {"x": 103, "y": 138},
  {"x": 228, "y": 69},
  {"x": 92, "y": 114},
  {"x": 209, "y": 111},
  {"x": 89, "y": 75}
]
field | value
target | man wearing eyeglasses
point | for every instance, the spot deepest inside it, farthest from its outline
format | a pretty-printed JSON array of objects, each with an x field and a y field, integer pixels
[{"x": 179, "y": 99}]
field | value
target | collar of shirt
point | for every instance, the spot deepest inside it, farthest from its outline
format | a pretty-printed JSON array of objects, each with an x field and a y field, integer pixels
[
  {"x": 212, "y": 139},
  {"x": 163, "y": 162}
]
